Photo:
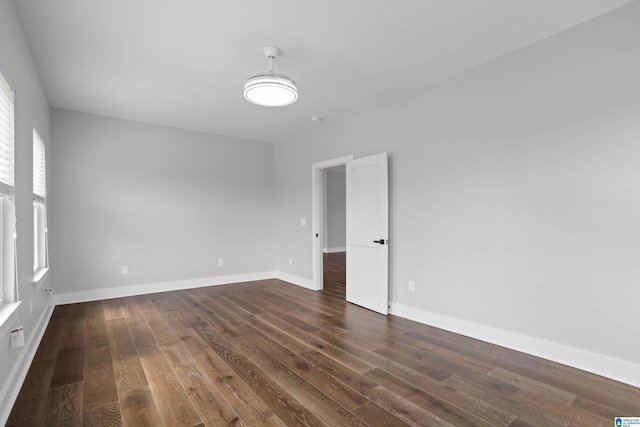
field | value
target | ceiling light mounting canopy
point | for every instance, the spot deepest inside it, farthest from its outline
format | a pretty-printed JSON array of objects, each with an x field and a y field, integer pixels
[{"x": 271, "y": 89}]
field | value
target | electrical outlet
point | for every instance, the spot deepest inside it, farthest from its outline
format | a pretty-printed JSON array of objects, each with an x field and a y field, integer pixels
[
  {"x": 17, "y": 337},
  {"x": 124, "y": 270},
  {"x": 412, "y": 286},
  {"x": 303, "y": 221},
  {"x": 290, "y": 261},
  {"x": 220, "y": 262}
]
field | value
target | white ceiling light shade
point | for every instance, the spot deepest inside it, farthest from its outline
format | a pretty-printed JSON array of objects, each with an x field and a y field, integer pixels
[{"x": 271, "y": 89}]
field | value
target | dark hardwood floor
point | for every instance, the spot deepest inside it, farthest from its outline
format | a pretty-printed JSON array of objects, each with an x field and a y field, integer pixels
[
  {"x": 335, "y": 275},
  {"x": 270, "y": 353}
]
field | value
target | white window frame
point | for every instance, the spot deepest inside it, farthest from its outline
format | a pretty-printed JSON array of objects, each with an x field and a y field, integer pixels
[
  {"x": 9, "y": 301},
  {"x": 40, "y": 241}
]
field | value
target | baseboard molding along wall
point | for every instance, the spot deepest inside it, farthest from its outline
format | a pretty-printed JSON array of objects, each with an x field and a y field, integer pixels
[
  {"x": 336, "y": 249},
  {"x": 151, "y": 288},
  {"x": 13, "y": 384},
  {"x": 616, "y": 369}
]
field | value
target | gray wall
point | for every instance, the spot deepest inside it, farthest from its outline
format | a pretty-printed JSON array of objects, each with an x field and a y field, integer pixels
[
  {"x": 515, "y": 189},
  {"x": 31, "y": 111},
  {"x": 293, "y": 201},
  {"x": 166, "y": 203},
  {"x": 335, "y": 211}
]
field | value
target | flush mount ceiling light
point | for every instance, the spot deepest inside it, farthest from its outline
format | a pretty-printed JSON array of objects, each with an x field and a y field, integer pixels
[{"x": 270, "y": 89}]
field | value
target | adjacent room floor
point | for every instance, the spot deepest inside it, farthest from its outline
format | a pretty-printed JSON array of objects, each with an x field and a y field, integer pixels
[
  {"x": 271, "y": 353},
  {"x": 334, "y": 270}
]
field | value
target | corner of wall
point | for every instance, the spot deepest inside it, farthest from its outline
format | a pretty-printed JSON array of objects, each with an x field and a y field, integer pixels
[{"x": 296, "y": 280}]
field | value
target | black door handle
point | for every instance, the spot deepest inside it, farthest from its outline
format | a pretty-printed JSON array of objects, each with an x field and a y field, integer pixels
[{"x": 381, "y": 241}]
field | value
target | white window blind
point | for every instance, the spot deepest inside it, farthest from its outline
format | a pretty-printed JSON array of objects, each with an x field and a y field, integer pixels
[
  {"x": 6, "y": 137},
  {"x": 39, "y": 169},
  {"x": 40, "y": 258}
]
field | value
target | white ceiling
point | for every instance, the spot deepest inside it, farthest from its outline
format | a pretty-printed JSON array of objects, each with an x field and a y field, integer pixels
[{"x": 183, "y": 63}]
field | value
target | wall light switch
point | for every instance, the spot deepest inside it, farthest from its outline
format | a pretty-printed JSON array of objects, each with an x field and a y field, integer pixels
[
  {"x": 290, "y": 260},
  {"x": 412, "y": 286},
  {"x": 303, "y": 221},
  {"x": 220, "y": 262},
  {"x": 124, "y": 270}
]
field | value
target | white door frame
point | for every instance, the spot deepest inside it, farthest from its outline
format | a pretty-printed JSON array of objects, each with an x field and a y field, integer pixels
[{"x": 317, "y": 214}]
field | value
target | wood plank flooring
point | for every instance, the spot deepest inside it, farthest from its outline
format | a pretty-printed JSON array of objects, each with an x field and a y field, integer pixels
[
  {"x": 270, "y": 353},
  {"x": 335, "y": 275}
]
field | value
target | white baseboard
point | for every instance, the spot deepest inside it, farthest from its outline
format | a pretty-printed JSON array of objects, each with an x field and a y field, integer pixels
[
  {"x": 336, "y": 249},
  {"x": 296, "y": 280},
  {"x": 616, "y": 369},
  {"x": 12, "y": 385},
  {"x": 151, "y": 288}
]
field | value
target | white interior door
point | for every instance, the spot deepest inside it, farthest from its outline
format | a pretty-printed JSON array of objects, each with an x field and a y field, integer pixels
[{"x": 367, "y": 233}]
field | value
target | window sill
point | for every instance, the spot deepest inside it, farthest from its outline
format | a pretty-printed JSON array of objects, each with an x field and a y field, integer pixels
[
  {"x": 7, "y": 312},
  {"x": 39, "y": 275}
]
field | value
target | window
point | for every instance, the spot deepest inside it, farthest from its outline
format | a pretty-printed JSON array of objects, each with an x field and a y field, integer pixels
[
  {"x": 7, "y": 209},
  {"x": 40, "y": 253}
]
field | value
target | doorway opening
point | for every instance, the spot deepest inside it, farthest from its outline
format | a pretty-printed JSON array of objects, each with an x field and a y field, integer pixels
[
  {"x": 367, "y": 229},
  {"x": 334, "y": 232},
  {"x": 325, "y": 235}
]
